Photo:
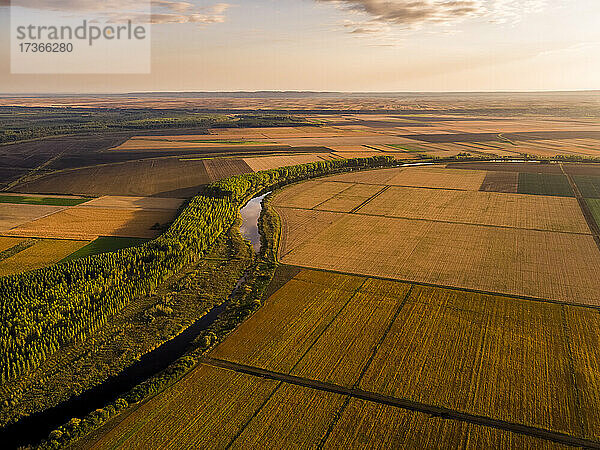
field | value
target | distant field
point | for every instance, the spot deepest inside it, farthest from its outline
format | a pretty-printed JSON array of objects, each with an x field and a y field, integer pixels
[
  {"x": 588, "y": 186},
  {"x": 595, "y": 207},
  {"x": 272, "y": 162},
  {"x": 512, "y": 261},
  {"x": 85, "y": 223},
  {"x": 52, "y": 201},
  {"x": 350, "y": 198},
  {"x": 516, "y": 244},
  {"x": 104, "y": 245},
  {"x": 507, "y": 182},
  {"x": 14, "y": 215},
  {"x": 220, "y": 168},
  {"x": 483, "y": 208},
  {"x": 146, "y": 203},
  {"x": 544, "y": 184},
  {"x": 43, "y": 253},
  {"x": 136, "y": 178}
]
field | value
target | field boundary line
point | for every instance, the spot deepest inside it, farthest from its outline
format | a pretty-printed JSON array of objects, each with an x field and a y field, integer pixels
[
  {"x": 383, "y": 336},
  {"x": 356, "y": 208},
  {"x": 504, "y": 227},
  {"x": 332, "y": 197},
  {"x": 455, "y": 288},
  {"x": 256, "y": 413},
  {"x": 566, "y": 329},
  {"x": 330, "y": 322},
  {"x": 436, "y": 411}
]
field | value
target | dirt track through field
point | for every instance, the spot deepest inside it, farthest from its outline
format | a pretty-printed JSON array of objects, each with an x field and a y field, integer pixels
[{"x": 436, "y": 411}]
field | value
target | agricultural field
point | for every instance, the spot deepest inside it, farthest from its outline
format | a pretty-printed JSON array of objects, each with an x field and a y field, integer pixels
[
  {"x": 43, "y": 253},
  {"x": 51, "y": 201},
  {"x": 272, "y": 162},
  {"x": 14, "y": 215},
  {"x": 452, "y": 235},
  {"x": 87, "y": 223},
  {"x": 367, "y": 424},
  {"x": 588, "y": 186},
  {"x": 514, "y": 358},
  {"x": 104, "y": 244},
  {"x": 594, "y": 205},
  {"x": 9, "y": 242},
  {"x": 544, "y": 184},
  {"x": 331, "y": 332},
  {"x": 484, "y": 208}
]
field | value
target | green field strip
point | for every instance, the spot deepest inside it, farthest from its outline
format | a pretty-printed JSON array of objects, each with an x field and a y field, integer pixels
[
  {"x": 594, "y": 205},
  {"x": 49, "y": 201},
  {"x": 105, "y": 245},
  {"x": 588, "y": 186},
  {"x": 544, "y": 184}
]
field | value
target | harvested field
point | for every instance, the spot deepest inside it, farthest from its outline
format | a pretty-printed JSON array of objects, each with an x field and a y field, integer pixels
[
  {"x": 514, "y": 359},
  {"x": 350, "y": 198},
  {"x": 309, "y": 194},
  {"x": 542, "y": 264},
  {"x": 292, "y": 319},
  {"x": 218, "y": 169},
  {"x": 588, "y": 186},
  {"x": 147, "y": 203},
  {"x": 43, "y": 253},
  {"x": 528, "y": 167},
  {"x": 380, "y": 177},
  {"x": 165, "y": 177},
  {"x": 14, "y": 215},
  {"x": 365, "y": 424},
  {"x": 9, "y": 242},
  {"x": 272, "y": 162},
  {"x": 544, "y": 184},
  {"x": 341, "y": 353},
  {"x": 85, "y": 223},
  {"x": 500, "y": 182},
  {"x": 294, "y": 417},
  {"x": 590, "y": 170},
  {"x": 438, "y": 177},
  {"x": 298, "y": 225},
  {"x": 208, "y": 408},
  {"x": 483, "y": 208}
]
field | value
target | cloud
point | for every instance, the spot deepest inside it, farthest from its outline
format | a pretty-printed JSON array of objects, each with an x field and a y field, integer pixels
[
  {"x": 416, "y": 13},
  {"x": 163, "y": 11}
]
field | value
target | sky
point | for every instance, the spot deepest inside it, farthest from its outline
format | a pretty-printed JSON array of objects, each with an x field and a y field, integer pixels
[{"x": 347, "y": 45}]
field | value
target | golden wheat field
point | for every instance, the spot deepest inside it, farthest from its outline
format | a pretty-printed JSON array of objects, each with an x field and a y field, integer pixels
[
  {"x": 146, "y": 203},
  {"x": 209, "y": 407},
  {"x": 295, "y": 316},
  {"x": 483, "y": 354},
  {"x": 309, "y": 194},
  {"x": 9, "y": 242},
  {"x": 43, "y": 253},
  {"x": 549, "y": 213},
  {"x": 350, "y": 198},
  {"x": 365, "y": 424},
  {"x": 89, "y": 222},
  {"x": 294, "y": 417},
  {"x": 13, "y": 215},
  {"x": 371, "y": 308},
  {"x": 297, "y": 225},
  {"x": 556, "y": 266}
]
